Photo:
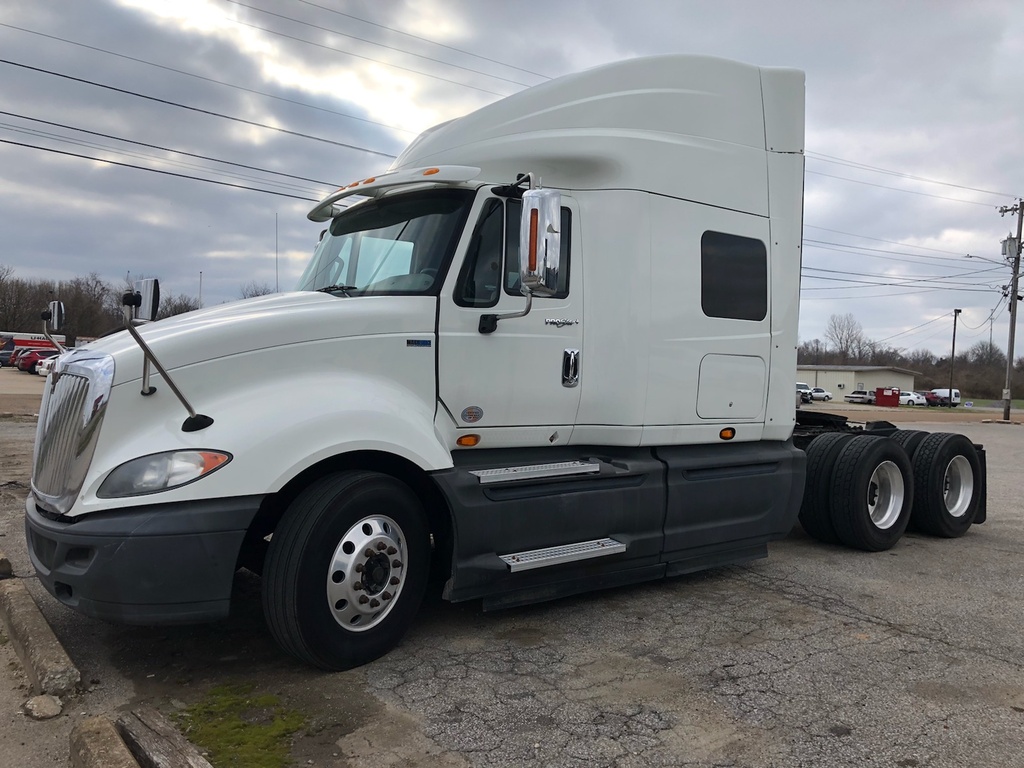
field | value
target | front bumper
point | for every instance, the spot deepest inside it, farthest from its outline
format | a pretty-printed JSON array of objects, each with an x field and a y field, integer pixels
[{"x": 160, "y": 564}]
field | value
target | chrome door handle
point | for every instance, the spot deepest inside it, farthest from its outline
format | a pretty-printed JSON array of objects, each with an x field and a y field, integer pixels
[{"x": 571, "y": 368}]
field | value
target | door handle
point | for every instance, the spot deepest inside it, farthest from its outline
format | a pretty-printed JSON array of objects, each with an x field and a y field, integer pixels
[{"x": 570, "y": 368}]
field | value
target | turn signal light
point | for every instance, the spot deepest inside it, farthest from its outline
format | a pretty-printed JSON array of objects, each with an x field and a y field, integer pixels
[
  {"x": 727, "y": 434},
  {"x": 468, "y": 441},
  {"x": 431, "y": 171}
]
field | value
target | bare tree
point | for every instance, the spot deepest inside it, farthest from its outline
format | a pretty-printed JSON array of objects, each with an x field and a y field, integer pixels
[
  {"x": 846, "y": 335},
  {"x": 171, "y": 305},
  {"x": 252, "y": 289}
]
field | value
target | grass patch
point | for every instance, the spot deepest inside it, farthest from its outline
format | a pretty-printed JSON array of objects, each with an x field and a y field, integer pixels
[{"x": 238, "y": 727}]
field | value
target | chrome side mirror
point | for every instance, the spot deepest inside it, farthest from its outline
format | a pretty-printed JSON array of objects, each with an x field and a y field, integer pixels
[
  {"x": 55, "y": 315},
  {"x": 540, "y": 241},
  {"x": 147, "y": 294}
]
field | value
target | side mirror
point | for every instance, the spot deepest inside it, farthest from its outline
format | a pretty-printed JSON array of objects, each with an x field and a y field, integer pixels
[
  {"x": 56, "y": 315},
  {"x": 540, "y": 241},
  {"x": 149, "y": 292}
]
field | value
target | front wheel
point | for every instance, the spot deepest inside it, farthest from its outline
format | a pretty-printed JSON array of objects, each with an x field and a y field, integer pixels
[{"x": 346, "y": 570}]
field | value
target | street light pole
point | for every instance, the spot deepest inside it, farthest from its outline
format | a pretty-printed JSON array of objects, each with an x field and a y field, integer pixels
[
  {"x": 952, "y": 358},
  {"x": 1019, "y": 210}
]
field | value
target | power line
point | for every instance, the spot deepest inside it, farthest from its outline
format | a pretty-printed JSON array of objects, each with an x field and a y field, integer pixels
[
  {"x": 881, "y": 240},
  {"x": 207, "y": 79},
  {"x": 142, "y": 156},
  {"x": 911, "y": 330},
  {"x": 898, "y": 189},
  {"x": 371, "y": 42},
  {"x": 197, "y": 109},
  {"x": 422, "y": 39},
  {"x": 900, "y": 174},
  {"x": 157, "y": 170},
  {"x": 365, "y": 58},
  {"x": 167, "y": 149},
  {"x": 871, "y": 251}
]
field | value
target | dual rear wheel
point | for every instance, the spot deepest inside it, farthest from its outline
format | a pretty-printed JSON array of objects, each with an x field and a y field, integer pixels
[{"x": 864, "y": 490}]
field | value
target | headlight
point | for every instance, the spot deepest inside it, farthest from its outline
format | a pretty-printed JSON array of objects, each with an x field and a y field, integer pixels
[{"x": 160, "y": 472}]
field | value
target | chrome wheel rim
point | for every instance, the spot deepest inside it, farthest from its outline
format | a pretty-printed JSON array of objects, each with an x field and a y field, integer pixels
[
  {"x": 366, "y": 573},
  {"x": 958, "y": 486},
  {"x": 885, "y": 495}
]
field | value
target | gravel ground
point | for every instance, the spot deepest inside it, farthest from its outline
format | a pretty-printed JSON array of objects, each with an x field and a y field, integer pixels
[{"x": 816, "y": 656}]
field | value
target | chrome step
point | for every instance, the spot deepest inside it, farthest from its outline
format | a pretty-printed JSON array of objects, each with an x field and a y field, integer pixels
[
  {"x": 534, "y": 471},
  {"x": 565, "y": 553}
]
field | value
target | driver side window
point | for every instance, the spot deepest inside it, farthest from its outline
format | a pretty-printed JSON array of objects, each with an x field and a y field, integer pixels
[
  {"x": 497, "y": 232},
  {"x": 480, "y": 277}
]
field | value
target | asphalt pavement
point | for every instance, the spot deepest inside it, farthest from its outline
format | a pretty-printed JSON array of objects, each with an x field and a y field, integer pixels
[{"x": 815, "y": 656}]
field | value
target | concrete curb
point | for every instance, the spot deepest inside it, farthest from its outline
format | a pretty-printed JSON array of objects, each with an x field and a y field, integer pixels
[
  {"x": 95, "y": 743},
  {"x": 47, "y": 665}
]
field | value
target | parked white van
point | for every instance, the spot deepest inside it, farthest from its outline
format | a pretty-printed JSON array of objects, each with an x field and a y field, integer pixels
[{"x": 943, "y": 395}]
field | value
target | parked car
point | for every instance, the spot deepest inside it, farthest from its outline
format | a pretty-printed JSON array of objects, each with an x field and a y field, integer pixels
[
  {"x": 805, "y": 392},
  {"x": 28, "y": 361},
  {"x": 913, "y": 398},
  {"x": 44, "y": 366},
  {"x": 930, "y": 397},
  {"x": 860, "y": 396},
  {"x": 943, "y": 397},
  {"x": 12, "y": 361},
  {"x": 817, "y": 393}
]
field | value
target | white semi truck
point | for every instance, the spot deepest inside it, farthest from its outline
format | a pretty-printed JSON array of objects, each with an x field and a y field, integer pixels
[{"x": 555, "y": 345}]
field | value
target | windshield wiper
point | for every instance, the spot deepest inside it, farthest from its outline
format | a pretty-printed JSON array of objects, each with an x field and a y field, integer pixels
[{"x": 343, "y": 288}]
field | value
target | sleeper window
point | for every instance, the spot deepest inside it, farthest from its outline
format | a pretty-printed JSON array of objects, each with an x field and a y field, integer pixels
[{"x": 733, "y": 276}]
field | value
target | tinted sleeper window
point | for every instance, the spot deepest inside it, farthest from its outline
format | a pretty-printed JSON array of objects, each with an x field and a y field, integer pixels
[{"x": 733, "y": 276}]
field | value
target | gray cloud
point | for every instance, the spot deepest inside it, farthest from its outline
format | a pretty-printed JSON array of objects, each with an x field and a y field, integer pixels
[{"x": 924, "y": 88}]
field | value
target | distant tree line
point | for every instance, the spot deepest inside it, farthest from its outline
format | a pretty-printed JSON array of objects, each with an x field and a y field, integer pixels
[
  {"x": 92, "y": 306},
  {"x": 978, "y": 371}
]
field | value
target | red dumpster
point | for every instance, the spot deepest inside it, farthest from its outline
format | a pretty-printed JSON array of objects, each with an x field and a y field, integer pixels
[{"x": 888, "y": 396}]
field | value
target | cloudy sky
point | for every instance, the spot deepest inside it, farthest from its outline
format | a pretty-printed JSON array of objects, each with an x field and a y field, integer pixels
[{"x": 915, "y": 129}]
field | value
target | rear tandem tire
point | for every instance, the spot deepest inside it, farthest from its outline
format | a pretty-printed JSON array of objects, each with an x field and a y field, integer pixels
[
  {"x": 346, "y": 570},
  {"x": 947, "y": 479},
  {"x": 910, "y": 439},
  {"x": 872, "y": 493},
  {"x": 815, "y": 513}
]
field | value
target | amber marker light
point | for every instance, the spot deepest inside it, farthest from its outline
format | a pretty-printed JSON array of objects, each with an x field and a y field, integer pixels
[
  {"x": 534, "y": 215},
  {"x": 370, "y": 180},
  {"x": 431, "y": 171},
  {"x": 468, "y": 441},
  {"x": 727, "y": 434}
]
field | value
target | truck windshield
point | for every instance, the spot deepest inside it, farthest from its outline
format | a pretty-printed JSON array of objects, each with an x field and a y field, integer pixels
[{"x": 395, "y": 245}]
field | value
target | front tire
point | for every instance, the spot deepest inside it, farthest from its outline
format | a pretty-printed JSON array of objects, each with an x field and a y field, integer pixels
[{"x": 346, "y": 570}]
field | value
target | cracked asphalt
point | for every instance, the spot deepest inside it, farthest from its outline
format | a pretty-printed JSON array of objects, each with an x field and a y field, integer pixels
[{"x": 815, "y": 656}]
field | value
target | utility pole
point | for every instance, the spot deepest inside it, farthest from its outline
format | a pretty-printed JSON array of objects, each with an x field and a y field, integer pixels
[
  {"x": 1019, "y": 210},
  {"x": 952, "y": 359}
]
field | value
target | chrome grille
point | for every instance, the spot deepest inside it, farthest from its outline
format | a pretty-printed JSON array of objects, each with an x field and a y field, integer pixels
[{"x": 70, "y": 416}]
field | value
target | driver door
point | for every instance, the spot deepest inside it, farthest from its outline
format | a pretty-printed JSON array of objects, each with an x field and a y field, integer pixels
[{"x": 519, "y": 385}]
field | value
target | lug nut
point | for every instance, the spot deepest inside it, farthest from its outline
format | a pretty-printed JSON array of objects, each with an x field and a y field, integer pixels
[
  {"x": 369, "y": 552},
  {"x": 363, "y": 599},
  {"x": 357, "y": 586},
  {"x": 359, "y": 567},
  {"x": 392, "y": 550},
  {"x": 394, "y": 581},
  {"x": 374, "y": 603},
  {"x": 387, "y": 596},
  {"x": 381, "y": 546},
  {"x": 396, "y": 563}
]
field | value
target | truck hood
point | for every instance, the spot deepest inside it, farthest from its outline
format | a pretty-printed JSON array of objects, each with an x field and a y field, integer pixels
[{"x": 263, "y": 323}]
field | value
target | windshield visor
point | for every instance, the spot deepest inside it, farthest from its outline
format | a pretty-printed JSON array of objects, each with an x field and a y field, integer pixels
[{"x": 395, "y": 245}]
